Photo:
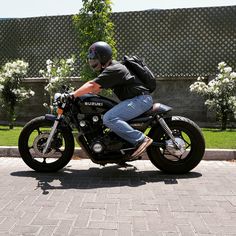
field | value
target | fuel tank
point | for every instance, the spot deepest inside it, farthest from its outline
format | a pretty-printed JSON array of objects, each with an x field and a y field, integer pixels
[{"x": 94, "y": 104}]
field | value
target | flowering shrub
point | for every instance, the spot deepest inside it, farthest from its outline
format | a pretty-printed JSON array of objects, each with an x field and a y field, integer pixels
[
  {"x": 12, "y": 92},
  {"x": 219, "y": 93},
  {"x": 57, "y": 74}
]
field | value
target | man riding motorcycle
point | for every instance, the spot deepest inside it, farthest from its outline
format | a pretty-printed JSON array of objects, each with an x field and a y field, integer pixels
[{"x": 135, "y": 98}]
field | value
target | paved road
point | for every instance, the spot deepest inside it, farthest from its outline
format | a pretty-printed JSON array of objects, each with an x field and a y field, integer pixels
[{"x": 86, "y": 199}]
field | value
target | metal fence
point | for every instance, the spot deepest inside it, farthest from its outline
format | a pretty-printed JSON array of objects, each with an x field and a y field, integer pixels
[{"x": 175, "y": 43}]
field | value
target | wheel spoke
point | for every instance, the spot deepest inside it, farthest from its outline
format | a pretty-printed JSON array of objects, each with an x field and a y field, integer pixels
[
  {"x": 39, "y": 131},
  {"x": 189, "y": 145},
  {"x": 59, "y": 150},
  {"x": 178, "y": 157}
]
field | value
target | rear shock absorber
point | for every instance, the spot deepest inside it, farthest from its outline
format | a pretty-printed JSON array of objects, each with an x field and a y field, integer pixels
[{"x": 168, "y": 131}]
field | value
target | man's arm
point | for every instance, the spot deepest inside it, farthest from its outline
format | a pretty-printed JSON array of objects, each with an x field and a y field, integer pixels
[{"x": 88, "y": 87}]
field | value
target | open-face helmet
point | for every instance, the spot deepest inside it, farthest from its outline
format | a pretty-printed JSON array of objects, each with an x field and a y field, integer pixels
[{"x": 99, "y": 54}]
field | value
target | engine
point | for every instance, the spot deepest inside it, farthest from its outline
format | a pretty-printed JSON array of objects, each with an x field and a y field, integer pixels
[
  {"x": 101, "y": 140},
  {"x": 107, "y": 143}
]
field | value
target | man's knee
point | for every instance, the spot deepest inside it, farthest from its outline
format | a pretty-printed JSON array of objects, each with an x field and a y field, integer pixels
[{"x": 107, "y": 119}]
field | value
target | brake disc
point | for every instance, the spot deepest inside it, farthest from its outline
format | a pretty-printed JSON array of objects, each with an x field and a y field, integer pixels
[
  {"x": 39, "y": 144},
  {"x": 172, "y": 149}
]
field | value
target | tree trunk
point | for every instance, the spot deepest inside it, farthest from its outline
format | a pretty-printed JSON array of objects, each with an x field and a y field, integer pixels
[
  {"x": 11, "y": 117},
  {"x": 224, "y": 121}
]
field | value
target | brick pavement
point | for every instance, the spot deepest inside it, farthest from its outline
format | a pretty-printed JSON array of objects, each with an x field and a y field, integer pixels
[{"x": 86, "y": 199}]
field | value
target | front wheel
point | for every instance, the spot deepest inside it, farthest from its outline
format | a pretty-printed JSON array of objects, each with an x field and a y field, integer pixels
[
  {"x": 168, "y": 158},
  {"x": 33, "y": 139}
]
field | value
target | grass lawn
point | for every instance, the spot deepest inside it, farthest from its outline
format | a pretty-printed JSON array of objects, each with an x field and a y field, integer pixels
[
  {"x": 220, "y": 139},
  {"x": 9, "y": 137},
  {"x": 214, "y": 138}
]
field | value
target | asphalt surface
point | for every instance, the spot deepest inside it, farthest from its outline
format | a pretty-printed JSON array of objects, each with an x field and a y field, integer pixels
[{"x": 87, "y": 199}]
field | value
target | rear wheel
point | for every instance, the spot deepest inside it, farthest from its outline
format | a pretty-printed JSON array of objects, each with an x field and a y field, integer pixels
[
  {"x": 171, "y": 160},
  {"x": 32, "y": 141}
]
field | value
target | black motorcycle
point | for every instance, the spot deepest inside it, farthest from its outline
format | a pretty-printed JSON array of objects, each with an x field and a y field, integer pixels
[{"x": 46, "y": 143}]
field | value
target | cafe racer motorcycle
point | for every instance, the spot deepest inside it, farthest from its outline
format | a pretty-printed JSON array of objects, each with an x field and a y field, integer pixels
[{"x": 46, "y": 143}]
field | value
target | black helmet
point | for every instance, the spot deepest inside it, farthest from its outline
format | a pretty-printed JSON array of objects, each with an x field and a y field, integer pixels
[{"x": 101, "y": 51}]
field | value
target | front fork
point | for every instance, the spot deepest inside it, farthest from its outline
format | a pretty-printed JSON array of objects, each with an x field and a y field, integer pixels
[{"x": 53, "y": 130}]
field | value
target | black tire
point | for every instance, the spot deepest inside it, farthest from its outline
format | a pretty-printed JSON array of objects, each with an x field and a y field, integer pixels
[
  {"x": 193, "y": 138},
  {"x": 59, "y": 155}
]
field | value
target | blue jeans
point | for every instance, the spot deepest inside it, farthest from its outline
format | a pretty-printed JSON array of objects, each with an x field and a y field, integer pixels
[{"x": 116, "y": 118}]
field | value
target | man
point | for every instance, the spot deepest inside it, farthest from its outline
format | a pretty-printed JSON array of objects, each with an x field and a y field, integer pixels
[{"x": 135, "y": 98}]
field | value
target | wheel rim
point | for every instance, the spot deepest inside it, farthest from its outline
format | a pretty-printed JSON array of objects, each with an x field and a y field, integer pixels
[
  {"x": 36, "y": 142},
  {"x": 183, "y": 135}
]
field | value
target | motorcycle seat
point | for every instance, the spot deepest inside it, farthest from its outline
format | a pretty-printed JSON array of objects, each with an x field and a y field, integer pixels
[{"x": 157, "y": 108}]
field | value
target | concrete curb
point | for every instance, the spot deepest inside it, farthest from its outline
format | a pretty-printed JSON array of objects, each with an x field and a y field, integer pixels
[{"x": 210, "y": 154}]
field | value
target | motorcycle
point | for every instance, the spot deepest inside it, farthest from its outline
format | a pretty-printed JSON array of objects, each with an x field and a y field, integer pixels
[{"x": 46, "y": 143}]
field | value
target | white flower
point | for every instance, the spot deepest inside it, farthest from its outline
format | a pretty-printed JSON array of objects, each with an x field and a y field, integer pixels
[
  {"x": 220, "y": 76},
  {"x": 8, "y": 73},
  {"x": 48, "y": 87},
  {"x": 16, "y": 91},
  {"x": 1, "y": 79},
  {"x": 200, "y": 78},
  {"x": 1, "y": 87},
  {"x": 226, "y": 80},
  {"x": 24, "y": 95},
  {"x": 54, "y": 79},
  {"x": 49, "y": 68},
  {"x": 59, "y": 70},
  {"x": 31, "y": 92},
  {"x": 232, "y": 75},
  {"x": 228, "y": 69},
  {"x": 232, "y": 101},
  {"x": 70, "y": 61},
  {"x": 41, "y": 72},
  {"x": 214, "y": 83},
  {"x": 221, "y": 65},
  {"x": 17, "y": 67},
  {"x": 48, "y": 62}
]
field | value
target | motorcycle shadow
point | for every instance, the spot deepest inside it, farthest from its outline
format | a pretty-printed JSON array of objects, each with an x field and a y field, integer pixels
[{"x": 101, "y": 177}]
